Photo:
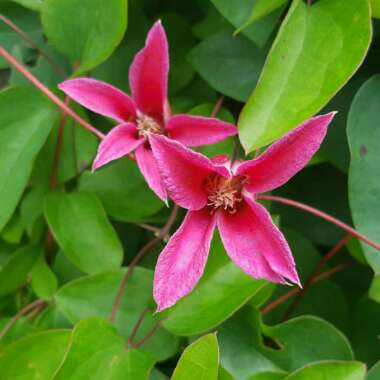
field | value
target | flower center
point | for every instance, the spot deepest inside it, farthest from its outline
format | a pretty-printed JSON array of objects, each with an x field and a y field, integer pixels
[
  {"x": 146, "y": 125},
  {"x": 223, "y": 192}
]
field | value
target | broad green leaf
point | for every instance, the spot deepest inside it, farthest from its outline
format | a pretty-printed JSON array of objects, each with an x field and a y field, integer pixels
[
  {"x": 81, "y": 228},
  {"x": 231, "y": 65},
  {"x": 123, "y": 191},
  {"x": 330, "y": 370},
  {"x": 94, "y": 296},
  {"x": 115, "y": 364},
  {"x": 298, "y": 342},
  {"x": 35, "y": 357},
  {"x": 261, "y": 9},
  {"x": 13, "y": 231},
  {"x": 87, "y": 32},
  {"x": 316, "y": 51},
  {"x": 222, "y": 290},
  {"x": 374, "y": 290},
  {"x": 26, "y": 118},
  {"x": 34, "y": 5},
  {"x": 237, "y": 12},
  {"x": 25, "y": 19},
  {"x": 269, "y": 376},
  {"x": 364, "y": 183},
  {"x": 89, "y": 337},
  {"x": 18, "y": 330},
  {"x": 374, "y": 372},
  {"x": 200, "y": 360},
  {"x": 14, "y": 272},
  {"x": 375, "y": 5},
  {"x": 44, "y": 281}
]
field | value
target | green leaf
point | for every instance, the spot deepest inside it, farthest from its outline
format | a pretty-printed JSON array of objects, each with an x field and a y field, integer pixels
[
  {"x": 237, "y": 13},
  {"x": 44, "y": 281},
  {"x": 200, "y": 360},
  {"x": 34, "y": 5},
  {"x": 81, "y": 228},
  {"x": 374, "y": 372},
  {"x": 375, "y": 5},
  {"x": 364, "y": 183},
  {"x": 14, "y": 272},
  {"x": 261, "y": 9},
  {"x": 94, "y": 296},
  {"x": 26, "y": 118},
  {"x": 87, "y": 32},
  {"x": 34, "y": 357},
  {"x": 231, "y": 65},
  {"x": 269, "y": 376},
  {"x": 222, "y": 290},
  {"x": 123, "y": 191},
  {"x": 330, "y": 370},
  {"x": 96, "y": 352},
  {"x": 324, "y": 43},
  {"x": 26, "y": 20},
  {"x": 298, "y": 342}
]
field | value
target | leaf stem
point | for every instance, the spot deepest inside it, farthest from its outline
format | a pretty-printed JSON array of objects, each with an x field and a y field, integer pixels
[
  {"x": 20, "y": 313},
  {"x": 322, "y": 215},
  {"x": 137, "y": 326},
  {"x": 67, "y": 110},
  {"x": 30, "y": 41},
  {"x": 154, "y": 329},
  {"x": 279, "y": 301},
  {"x": 145, "y": 249},
  {"x": 326, "y": 258}
]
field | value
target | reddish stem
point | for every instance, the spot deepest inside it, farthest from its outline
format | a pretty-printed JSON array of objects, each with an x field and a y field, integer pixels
[
  {"x": 137, "y": 326},
  {"x": 279, "y": 301},
  {"x": 164, "y": 231},
  {"x": 326, "y": 258},
  {"x": 321, "y": 214},
  {"x": 146, "y": 337},
  {"x": 21, "y": 312},
  {"x": 29, "y": 40},
  {"x": 217, "y": 107},
  {"x": 48, "y": 93}
]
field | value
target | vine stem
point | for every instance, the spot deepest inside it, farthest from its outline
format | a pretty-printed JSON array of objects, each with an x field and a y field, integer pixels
[
  {"x": 325, "y": 259},
  {"x": 322, "y": 215},
  {"x": 21, "y": 312},
  {"x": 146, "y": 248},
  {"x": 154, "y": 329},
  {"x": 217, "y": 107},
  {"x": 137, "y": 326},
  {"x": 279, "y": 301},
  {"x": 64, "y": 108},
  {"x": 30, "y": 41}
]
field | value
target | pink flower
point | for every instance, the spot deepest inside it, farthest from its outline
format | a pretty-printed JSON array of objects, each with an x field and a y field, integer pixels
[
  {"x": 217, "y": 195},
  {"x": 146, "y": 113}
]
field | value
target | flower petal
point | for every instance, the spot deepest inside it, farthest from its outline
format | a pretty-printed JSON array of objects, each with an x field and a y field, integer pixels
[
  {"x": 286, "y": 157},
  {"x": 148, "y": 75},
  {"x": 118, "y": 143},
  {"x": 149, "y": 169},
  {"x": 100, "y": 97},
  {"x": 255, "y": 244},
  {"x": 183, "y": 171},
  {"x": 198, "y": 130},
  {"x": 182, "y": 262}
]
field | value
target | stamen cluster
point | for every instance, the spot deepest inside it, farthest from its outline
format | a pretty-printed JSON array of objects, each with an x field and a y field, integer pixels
[
  {"x": 223, "y": 192},
  {"x": 147, "y": 125}
]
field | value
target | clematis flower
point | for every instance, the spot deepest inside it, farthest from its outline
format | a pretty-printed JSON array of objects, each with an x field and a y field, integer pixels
[
  {"x": 218, "y": 195},
  {"x": 144, "y": 114}
]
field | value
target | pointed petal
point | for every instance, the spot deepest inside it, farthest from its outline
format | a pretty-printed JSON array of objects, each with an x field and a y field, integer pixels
[
  {"x": 183, "y": 171},
  {"x": 101, "y": 98},
  {"x": 198, "y": 130},
  {"x": 148, "y": 75},
  {"x": 286, "y": 157},
  {"x": 255, "y": 244},
  {"x": 149, "y": 169},
  {"x": 118, "y": 143},
  {"x": 182, "y": 262}
]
